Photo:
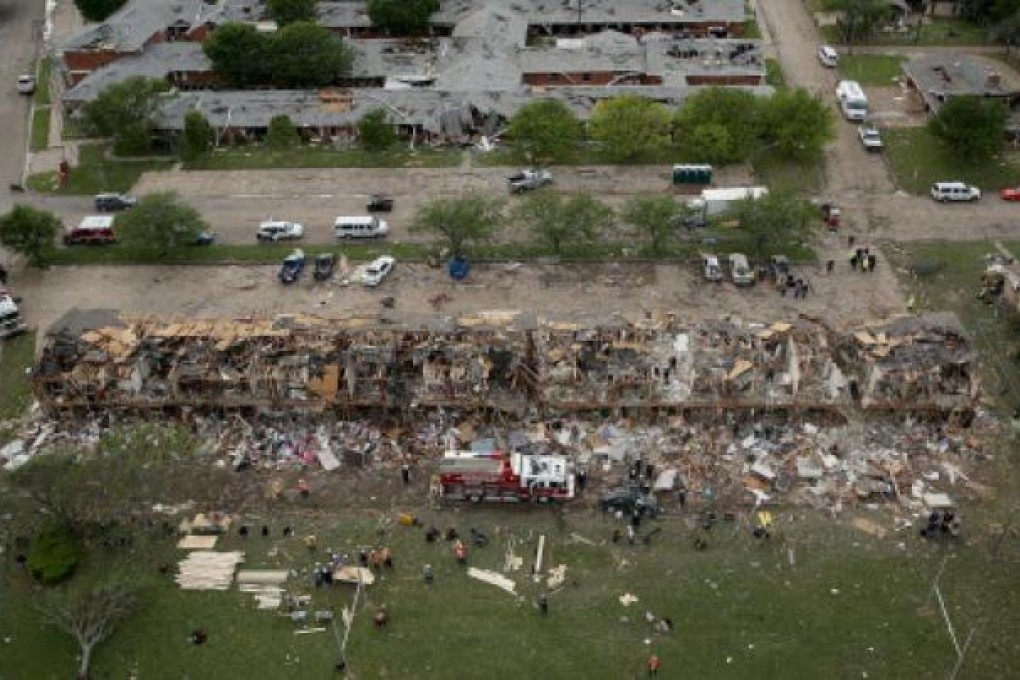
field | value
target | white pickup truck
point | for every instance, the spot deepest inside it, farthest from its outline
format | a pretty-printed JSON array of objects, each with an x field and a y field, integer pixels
[{"x": 11, "y": 323}]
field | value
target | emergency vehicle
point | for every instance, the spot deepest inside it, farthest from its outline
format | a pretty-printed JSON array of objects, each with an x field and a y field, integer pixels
[{"x": 505, "y": 477}]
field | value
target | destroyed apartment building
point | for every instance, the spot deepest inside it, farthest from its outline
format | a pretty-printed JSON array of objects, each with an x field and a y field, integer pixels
[{"x": 501, "y": 361}]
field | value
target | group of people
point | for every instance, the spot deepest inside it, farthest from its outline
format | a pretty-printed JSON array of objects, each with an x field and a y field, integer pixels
[
  {"x": 944, "y": 523},
  {"x": 863, "y": 259}
]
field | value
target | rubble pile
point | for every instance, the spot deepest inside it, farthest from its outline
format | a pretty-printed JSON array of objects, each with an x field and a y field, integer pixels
[{"x": 501, "y": 361}]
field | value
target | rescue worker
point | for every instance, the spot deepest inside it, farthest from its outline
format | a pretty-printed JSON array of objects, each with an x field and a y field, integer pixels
[
  {"x": 427, "y": 574},
  {"x": 543, "y": 604},
  {"x": 460, "y": 552},
  {"x": 653, "y": 665}
]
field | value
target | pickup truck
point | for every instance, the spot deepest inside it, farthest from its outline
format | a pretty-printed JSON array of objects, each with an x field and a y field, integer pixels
[{"x": 527, "y": 180}]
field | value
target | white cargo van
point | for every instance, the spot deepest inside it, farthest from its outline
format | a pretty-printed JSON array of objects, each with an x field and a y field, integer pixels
[
  {"x": 362, "y": 226},
  {"x": 852, "y": 101}
]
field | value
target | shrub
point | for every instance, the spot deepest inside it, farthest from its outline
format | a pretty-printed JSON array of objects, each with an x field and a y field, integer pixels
[{"x": 54, "y": 556}]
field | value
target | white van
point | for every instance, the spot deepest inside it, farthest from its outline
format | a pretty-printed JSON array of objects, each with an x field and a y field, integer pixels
[
  {"x": 361, "y": 226},
  {"x": 852, "y": 101},
  {"x": 954, "y": 191}
]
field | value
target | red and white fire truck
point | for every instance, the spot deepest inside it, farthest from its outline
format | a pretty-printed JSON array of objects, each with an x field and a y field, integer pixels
[{"x": 505, "y": 477}]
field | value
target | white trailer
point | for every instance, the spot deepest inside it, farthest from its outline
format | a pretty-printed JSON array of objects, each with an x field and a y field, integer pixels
[{"x": 717, "y": 201}]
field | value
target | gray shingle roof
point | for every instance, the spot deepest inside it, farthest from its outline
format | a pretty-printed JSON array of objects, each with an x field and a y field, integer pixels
[{"x": 158, "y": 61}]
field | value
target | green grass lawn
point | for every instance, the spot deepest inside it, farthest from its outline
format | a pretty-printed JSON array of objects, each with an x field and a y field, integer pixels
[
  {"x": 850, "y": 606},
  {"x": 751, "y": 30},
  {"x": 942, "y": 31},
  {"x": 16, "y": 355},
  {"x": 253, "y": 158},
  {"x": 40, "y": 128},
  {"x": 917, "y": 159},
  {"x": 871, "y": 69},
  {"x": 97, "y": 173},
  {"x": 41, "y": 97},
  {"x": 787, "y": 175},
  {"x": 774, "y": 75}
]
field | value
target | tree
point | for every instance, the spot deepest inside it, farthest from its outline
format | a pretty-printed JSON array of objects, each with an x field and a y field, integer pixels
[
  {"x": 286, "y": 12},
  {"x": 98, "y": 10},
  {"x": 305, "y": 54},
  {"x": 160, "y": 222},
  {"x": 30, "y": 232},
  {"x": 719, "y": 125},
  {"x": 797, "y": 124},
  {"x": 971, "y": 126},
  {"x": 88, "y": 613},
  {"x": 630, "y": 127},
  {"x": 402, "y": 17},
  {"x": 861, "y": 18},
  {"x": 654, "y": 217},
  {"x": 460, "y": 221},
  {"x": 776, "y": 221},
  {"x": 239, "y": 54},
  {"x": 545, "y": 131},
  {"x": 281, "y": 133},
  {"x": 198, "y": 136},
  {"x": 125, "y": 111},
  {"x": 556, "y": 220},
  {"x": 375, "y": 132}
]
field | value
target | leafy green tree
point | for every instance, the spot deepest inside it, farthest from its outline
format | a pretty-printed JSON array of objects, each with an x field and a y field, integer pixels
[
  {"x": 125, "y": 111},
  {"x": 719, "y": 125},
  {"x": 160, "y": 222},
  {"x": 797, "y": 124},
  {"x": 30, "y": 232},
  {"x": 971, "y": 126},
  {"x": 655, "y": 218},
  {"x": 861, "y": 18},
  {"x": 98, "y": 10},
  {"x": 240, "y": 55},
  {"x": 198, "y": 136},
  {"x": 630, "y": 127},
  {"x": 545, "y": 131},
  {"x": 402, "y": 17},
  {"x": 281, "y": 133},
  {"x": 375, "y": 132},
  {"x": 286, "y": 12},
  {"x": 776, "y": 221},
  {"x": 468, "y": 219},
  {"x": 305, "y": 54},
  {"x": 557, "y": 220}
]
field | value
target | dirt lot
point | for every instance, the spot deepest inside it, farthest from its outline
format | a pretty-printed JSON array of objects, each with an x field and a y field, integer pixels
[{"x": 554, "y": 290}]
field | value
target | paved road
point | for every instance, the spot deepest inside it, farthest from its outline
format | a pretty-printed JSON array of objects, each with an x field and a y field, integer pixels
[{"x": 20, "y": 35}]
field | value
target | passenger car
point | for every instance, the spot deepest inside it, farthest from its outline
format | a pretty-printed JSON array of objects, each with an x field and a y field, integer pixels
[
  {"x": 828, "y": 56},
  {"x": 205, "y": 238},
  {"x": 870, "y": 137},
  {"x": 26, "y": 83},
  {"x": 114, "y": 202},
  {"x": 526, "y": 180},
  {"x": 273, "y": 230},
  {"x": 379, "y": 203},
  {"x": 293, "y": 265},
  {"x": 628, "y": 499},
  {"x": 377, "y": 270},
  {"x": 325, "y": 265},
  {"x": 710, "y": 267},
  {"x": 1010, "y": 194}
]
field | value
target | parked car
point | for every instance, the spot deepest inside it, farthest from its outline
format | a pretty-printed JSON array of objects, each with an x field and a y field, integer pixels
[
  {"x": 1010, "y": 194},
  {"x": 870, "y": 137},
  {"x": 292, "y": 266},
  {"x": 26, "y": 83},
  {"x": 325, "y": 265},
  {"x": 711, "y": 268},
  {"x": 377, "y": 270},
  {"x": 954, "y": 191},
  {"x": 740, "y": 271},
  {"x": 205, "y": 238},
  {"x": 628, "y": 499},
  {"x": 274, "y": 230},
  {"x": 828, "y": 56},
  {"x": 780, "y": 264},
  {"x": 526, "y": 180},
  {"x": 379, "y": 203},
  {"x": 114, "y": 202},
  {"x": 92, "y": 230}
]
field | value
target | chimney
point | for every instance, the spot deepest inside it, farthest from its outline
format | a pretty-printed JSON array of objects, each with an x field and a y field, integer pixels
[{"x": 993, "y": 80}]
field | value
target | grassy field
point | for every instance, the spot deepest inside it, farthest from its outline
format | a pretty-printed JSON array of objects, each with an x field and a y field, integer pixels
[
  {"x": 40, "y": 138},
  {"x": 849, "y": 606},
  {"x": 796, "y": 176},
  {"x": 871, "y": 69},
  {"x": 97, "y": 173},
  {"x": 917, "y": 159},
  {"x": 16, "y": 355},
  {"x": 941, "y": 31},
  {"x": 774, "y": 75},
  {"x": 257, "y": 158},
  {"x": 41, "y": 97}
]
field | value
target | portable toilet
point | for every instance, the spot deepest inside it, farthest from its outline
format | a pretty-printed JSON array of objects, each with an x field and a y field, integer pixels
[{"x": 692, "y": 174}]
